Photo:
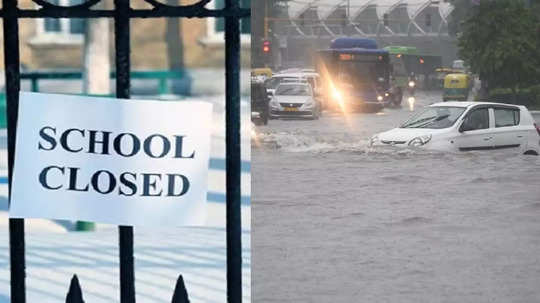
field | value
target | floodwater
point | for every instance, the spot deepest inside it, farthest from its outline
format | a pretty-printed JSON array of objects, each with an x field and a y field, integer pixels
[{"x": 335, "y": 221}]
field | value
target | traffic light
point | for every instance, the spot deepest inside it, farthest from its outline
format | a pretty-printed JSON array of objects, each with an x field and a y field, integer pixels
[
  {"x": 428, "y": 20},
  {"x": 385, "y": 19},
  {"x": 266, "y": 47}
]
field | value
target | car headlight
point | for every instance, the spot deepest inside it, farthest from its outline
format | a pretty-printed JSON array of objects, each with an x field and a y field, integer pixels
[
  {"x": 379, "y": 98},
  {"x": 412, "y": 84},
  {"x": 274, "y": 103},
  {"x": 419, "y": 141}
]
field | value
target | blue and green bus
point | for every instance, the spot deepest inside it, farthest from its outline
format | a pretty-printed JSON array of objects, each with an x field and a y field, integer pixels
[{"x": 356, "y": 74}]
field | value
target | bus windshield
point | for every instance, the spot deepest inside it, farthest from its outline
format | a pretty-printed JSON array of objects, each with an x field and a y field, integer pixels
[
  {"x": 399, "y": 65},
  {"x": 359, "y": 73}
]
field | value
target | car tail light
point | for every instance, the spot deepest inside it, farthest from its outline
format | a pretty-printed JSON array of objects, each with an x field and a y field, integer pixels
[{"x": 537, "y": 128}]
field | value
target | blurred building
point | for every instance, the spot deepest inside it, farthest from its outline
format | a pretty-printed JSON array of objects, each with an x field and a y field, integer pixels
[
  {"x": 58, "y": 43},
  {"x": 307, "y": 25}
]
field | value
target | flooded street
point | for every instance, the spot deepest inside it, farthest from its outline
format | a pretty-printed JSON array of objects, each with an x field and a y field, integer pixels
[{"x": 336, "y": 221}]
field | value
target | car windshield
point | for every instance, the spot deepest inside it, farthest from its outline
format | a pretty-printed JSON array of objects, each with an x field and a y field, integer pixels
[
  {"x": 272, "y": 83},
  {"x": 293, "y": 90},
  {"x": 435, "y": 117}
]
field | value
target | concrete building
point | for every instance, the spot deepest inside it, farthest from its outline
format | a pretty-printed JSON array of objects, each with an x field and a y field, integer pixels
[{"x": 310, "y": 25}]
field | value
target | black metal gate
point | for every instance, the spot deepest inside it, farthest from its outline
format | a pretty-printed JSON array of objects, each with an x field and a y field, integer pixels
[{"x": 122, "y": 13}]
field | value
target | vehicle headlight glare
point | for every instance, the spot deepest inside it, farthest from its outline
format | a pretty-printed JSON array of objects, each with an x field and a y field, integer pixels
[
  {"x": 411, "y": 83},
  {"x": 379, "y": 98},
  {"x": 386, "y": 94},
  {"x": 253, "y": 134},
  {"x": 337, "y": 94},
  {"x": 419, "y": 141}
]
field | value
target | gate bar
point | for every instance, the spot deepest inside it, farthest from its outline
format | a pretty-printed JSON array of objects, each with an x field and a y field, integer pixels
[
  {"x": 233, "y": 154},
  {"x": 133, "y": 13},
  {"x": 125, "y": 233},
  {"x": 16, "y": 226}
]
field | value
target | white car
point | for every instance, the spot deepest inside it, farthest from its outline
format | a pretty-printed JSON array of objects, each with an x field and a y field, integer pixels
[
  {"x": 467, "y": 126},
  {"x": 294, "y": 100}
]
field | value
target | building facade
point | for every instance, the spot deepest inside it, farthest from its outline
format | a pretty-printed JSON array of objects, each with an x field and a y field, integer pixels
[
  {"x": 303, "y": 26},
  {"x": 59, "y": 43}
]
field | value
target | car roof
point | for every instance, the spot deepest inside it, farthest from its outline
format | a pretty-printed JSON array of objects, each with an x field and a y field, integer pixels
[
  {"x": 455, "y": 104},
  {"x": 471, "y": 103},
  {"x": 295, "y": 75},
  {"x": 296, "y": 70},
  {"x": 294, "y": 83}
]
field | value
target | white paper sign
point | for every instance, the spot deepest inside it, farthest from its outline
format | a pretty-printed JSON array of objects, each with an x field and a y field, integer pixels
[{"x": 127, "y": 162}]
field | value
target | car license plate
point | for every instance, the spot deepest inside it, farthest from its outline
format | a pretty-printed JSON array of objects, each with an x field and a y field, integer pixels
[{"x": 291, "y": 109}]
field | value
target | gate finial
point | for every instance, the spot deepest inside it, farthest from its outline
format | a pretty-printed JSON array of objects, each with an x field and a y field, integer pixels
[
  {"x": 74, "y": 294},
  {"x": 180, "y": 293}
]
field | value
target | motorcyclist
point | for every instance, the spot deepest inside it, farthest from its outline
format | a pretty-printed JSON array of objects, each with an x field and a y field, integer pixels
[
  {"x": 412, "y": 77},
  {"x": 412, "y": 83}
]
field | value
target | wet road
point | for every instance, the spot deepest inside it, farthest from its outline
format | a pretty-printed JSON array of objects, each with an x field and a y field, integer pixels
[{"x": 336, "y": 222}]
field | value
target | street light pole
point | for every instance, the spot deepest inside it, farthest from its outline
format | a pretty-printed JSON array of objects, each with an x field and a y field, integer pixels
[{"x": 266, "y": 19}]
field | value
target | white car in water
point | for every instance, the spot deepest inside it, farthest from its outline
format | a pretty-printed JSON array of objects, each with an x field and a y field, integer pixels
[
  {"x": 467, "y": 126},
  {"x": 294, "y": 100}
]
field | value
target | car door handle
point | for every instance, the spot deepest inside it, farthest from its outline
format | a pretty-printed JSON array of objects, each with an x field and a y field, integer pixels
[
  {"x": 520, "y": 136},
  {"x": 488, "y": 138}
]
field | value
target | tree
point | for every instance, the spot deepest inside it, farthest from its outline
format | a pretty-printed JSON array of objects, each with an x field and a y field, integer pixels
[
  {"x": 461, "y": 11},
  {"x": 499, "y": 42}
]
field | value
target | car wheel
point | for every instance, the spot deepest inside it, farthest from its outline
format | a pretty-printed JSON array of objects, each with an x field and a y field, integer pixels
[{"x": 531, "y": 153}]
